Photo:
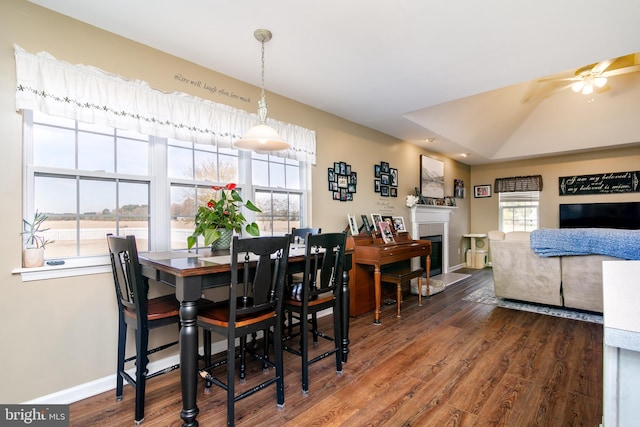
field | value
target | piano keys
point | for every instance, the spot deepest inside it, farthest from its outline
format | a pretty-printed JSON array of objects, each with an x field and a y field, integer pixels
[{"x": 370, "y": 254}]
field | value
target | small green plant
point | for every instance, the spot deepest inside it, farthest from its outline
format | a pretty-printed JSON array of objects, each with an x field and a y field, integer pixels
[{"x": 32, "y": 229}]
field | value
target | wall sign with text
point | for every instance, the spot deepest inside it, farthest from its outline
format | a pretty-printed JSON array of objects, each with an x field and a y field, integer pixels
[{"x": 603, "y": 183}]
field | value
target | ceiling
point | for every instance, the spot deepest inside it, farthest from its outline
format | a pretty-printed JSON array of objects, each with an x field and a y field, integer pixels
[{"x": 457, "y": 71}]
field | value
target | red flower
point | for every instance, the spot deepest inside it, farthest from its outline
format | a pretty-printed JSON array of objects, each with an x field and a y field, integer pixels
[
  {"x": 216, "y": 187},
  {"x": 230, "y": 186},
  {"x": 210, "y": 204}
]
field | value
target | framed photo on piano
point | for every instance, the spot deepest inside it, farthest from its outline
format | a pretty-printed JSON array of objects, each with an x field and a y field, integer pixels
[{"x": 385, "y": 231}]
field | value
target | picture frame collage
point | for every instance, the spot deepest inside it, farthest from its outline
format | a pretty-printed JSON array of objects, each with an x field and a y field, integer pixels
[
  {"x": 385, "y": 224},
  {"x": 342, "y": 181},
  {"x": 385, "y": 180}
]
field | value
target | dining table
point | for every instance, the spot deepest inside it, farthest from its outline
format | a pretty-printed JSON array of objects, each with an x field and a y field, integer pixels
[{"x": 189, "y": 273}]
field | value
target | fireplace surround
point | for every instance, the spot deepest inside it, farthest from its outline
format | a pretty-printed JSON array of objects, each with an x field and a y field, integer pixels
[{"x": 426, "y": 220}]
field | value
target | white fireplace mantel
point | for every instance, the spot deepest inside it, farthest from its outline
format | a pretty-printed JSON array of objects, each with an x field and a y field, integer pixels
[{"x": 427, "y": 214}]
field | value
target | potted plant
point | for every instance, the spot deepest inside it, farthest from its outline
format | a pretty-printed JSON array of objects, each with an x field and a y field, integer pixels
[
  {"x": 221, "y": 217},
  {"x": 33, "y": 253}
]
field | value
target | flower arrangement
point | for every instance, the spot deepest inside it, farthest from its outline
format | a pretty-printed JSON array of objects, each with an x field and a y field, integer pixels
[
  {"x": 222, "y": 214},
  {"x": 411, "y": 200}
]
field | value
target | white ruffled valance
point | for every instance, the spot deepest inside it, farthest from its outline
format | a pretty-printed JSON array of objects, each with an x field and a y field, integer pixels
[{"x": 91, "y": 95}]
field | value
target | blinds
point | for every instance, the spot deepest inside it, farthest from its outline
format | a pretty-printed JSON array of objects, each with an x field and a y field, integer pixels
[
  {"x": 91, "y": 95},
  {"x": 518, "y": 183}
]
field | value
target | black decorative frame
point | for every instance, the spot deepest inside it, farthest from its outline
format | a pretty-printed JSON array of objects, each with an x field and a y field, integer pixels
[
  {"x": 342, "y": 181},
  {"x": 480, "y": 191},
  {"x": 385, "y": 180}
]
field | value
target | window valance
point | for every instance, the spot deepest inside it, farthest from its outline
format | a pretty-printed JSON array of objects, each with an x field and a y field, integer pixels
[
  {"x": 518, "y": 183},
  {"x": 91, "y": 95}
]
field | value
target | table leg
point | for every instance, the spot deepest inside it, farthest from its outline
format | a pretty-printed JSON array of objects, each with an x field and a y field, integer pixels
[
  {"x": 378, "y": 291},
  {"x": 345, "y": 315},
  {"x": 189, "y": 362}
]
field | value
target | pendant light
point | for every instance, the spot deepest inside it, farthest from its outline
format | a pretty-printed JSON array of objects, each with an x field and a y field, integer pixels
[{"x": 262, "y": 137}]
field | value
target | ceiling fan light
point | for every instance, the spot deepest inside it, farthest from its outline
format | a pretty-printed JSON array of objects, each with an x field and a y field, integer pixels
[
  {"x": 600, "y": 81},
  {"x": 577, "y": 86},
  {"x": 261, "y": 138},
  {"x": 587, "y": 89}
]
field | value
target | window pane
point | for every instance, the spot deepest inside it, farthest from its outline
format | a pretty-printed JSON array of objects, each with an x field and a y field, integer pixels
[
  {"x": 179, "y": 163},
  {"x": 264, "y": 218},
  {"x": 294, "y": 211},
  {"x": 206, "y": 166},
  {"x": 54, "y": 147},
  {"x": 260, "y": 173},
  {"x": 183, "y": 211},
  {"x": 228, "y": 167},
  {"x": 280, "y": 214},
  {"x": 96, "y": 152},
  {"x": 133, "y": 157},
  {"x": 293, "y": 177},
  {"x": 276, "y": 176},
  {"x": 56, "y": 197}
]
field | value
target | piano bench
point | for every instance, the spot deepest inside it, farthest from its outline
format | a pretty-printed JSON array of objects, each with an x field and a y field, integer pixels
[{"x": 402, "y": 275}]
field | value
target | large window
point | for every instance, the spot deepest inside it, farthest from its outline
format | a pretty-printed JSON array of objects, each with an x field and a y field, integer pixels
[
  {"x": 92, "y": 180},
  {"x": 519, "y": 210}
]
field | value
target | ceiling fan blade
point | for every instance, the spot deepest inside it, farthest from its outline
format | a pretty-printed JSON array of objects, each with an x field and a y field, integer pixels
[
  {"x": 559, "y": 79},
  {"x": 624, "y": 70},
  {"x": 601, "y": 66}
]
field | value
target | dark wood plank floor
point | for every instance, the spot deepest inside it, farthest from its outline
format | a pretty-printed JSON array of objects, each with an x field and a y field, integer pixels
[{"x": 447, "y": 363}]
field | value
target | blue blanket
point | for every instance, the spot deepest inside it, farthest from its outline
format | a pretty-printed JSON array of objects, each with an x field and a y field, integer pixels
[{"x": 623, "y": 244}]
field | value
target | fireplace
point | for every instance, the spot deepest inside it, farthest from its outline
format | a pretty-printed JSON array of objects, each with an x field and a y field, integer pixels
[
  {"x": 428, "y": 220},
  {"x": 436, "y": 255}
]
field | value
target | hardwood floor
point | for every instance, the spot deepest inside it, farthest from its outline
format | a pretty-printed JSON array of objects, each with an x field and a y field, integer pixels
[{"x": 447, "y": 363}]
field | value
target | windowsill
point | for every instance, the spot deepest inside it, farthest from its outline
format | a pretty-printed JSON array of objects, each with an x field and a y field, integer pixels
[{"x": 72, "y": 267}]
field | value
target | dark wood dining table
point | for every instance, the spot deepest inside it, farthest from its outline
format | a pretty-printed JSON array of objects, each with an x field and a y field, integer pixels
[{"x": 192, "y": 272}]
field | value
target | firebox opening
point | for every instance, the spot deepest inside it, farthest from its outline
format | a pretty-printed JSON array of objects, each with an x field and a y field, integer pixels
[{"x": 436, "y": 255}]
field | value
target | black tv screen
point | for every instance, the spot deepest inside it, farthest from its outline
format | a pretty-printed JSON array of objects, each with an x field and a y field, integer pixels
[{"x": 601, "y": 215}]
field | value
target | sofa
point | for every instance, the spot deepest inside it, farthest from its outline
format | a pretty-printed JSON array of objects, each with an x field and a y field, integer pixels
[{"x": 573, "y": 281}]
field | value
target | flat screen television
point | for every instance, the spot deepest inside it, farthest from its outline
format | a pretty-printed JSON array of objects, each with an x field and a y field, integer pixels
[{"x": 625, "y": 215}]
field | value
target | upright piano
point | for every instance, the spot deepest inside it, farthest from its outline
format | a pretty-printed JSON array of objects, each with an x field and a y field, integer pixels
[{"x": 370, "y": 255}]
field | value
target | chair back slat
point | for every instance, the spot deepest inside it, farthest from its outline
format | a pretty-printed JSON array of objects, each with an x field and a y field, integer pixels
[{"x": 257, "y": 285}]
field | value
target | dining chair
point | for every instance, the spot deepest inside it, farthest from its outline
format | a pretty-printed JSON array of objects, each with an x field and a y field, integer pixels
[
  {"x": 258, "y": 272},
  {"x": 141, "y": 313},
  {"x": 294, "y": 281},
  {"x": 321, "y": 290},
  {"x": 301, "y": 233}
]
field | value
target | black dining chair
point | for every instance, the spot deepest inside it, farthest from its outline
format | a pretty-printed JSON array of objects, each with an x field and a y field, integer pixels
[
  {"x": 299, "y": 234},
  {"x": 294, "y": 281},
  {"x": 258, "y": 272},
  {"x": 321, "y": 290},
  {"x": 141, "y": 313}
]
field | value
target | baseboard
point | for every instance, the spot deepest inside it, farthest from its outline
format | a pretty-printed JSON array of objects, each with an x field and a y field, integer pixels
[{"x": 457, "y": 267}]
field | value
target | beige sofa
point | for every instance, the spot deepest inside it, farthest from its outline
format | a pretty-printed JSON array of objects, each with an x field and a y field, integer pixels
[{"x": 565, "y": 281}]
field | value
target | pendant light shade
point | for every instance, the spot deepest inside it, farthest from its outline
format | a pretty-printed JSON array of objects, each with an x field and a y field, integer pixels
[{"x": 262, "y": 137}]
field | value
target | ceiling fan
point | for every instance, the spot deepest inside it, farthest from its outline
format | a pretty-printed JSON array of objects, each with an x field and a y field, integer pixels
[{"x": 593, "y": 77}]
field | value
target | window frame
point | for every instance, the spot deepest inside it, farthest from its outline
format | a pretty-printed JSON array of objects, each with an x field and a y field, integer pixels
[{"x": 159, "y": 212}]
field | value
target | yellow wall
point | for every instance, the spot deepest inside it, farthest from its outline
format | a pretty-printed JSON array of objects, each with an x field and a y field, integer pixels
[{"x": 61, "y": 333}]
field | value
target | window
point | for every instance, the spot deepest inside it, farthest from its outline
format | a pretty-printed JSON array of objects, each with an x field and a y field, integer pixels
[
  {"x": 278, "y": 193},
  {"x": 92, "y": 180},
  {"x": 518, "y": 210}
]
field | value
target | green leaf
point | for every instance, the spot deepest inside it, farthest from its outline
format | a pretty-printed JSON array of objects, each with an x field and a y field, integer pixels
[
  {"x": 253, "y": 229},
  {"x": 249, "y": 205},
  {"x": 211, "y": 235},
  {"x": 191, "y": 240}
]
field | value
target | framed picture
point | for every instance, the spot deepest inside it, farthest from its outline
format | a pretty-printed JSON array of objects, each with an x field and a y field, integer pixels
[
  {"x": 384, "y": 190},
  {"x": 376, "y": 171},
  {"x": 431, "y": 177},
  {"x": 353, "y": 225},
  {"x": 393, "y": 174},
  {"x": 365, "y": 224},
  {"x": 398, "y": 223},
  {"x": 458, "y": 189},
  {"x": 482, "y": 190},
  {"x": 376, "y": 185},
  {"x": 393, "y": 192},
  {"x": 389, "y": 220},
  {"x": 384, "y": 179},
  {"x": 376, "y": 218},
  {"x": 385, "y": 231},
  {"x": 342, "y": 181},
  {"x": 384, "y": 167}
]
